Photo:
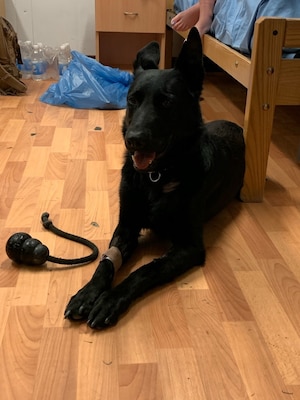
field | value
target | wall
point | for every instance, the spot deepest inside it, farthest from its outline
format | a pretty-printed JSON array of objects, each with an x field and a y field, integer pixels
[{"x": 54, "y": 22}]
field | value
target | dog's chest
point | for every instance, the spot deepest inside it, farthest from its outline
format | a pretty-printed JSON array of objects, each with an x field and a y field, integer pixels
[{"x": 162, "y": 204}]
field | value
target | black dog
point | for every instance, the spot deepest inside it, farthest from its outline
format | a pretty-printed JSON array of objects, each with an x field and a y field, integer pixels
[{"x": 178, "y": 172}]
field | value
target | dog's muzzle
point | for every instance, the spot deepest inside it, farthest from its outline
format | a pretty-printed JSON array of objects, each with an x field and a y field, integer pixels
[{"x": 143, "y": 160}]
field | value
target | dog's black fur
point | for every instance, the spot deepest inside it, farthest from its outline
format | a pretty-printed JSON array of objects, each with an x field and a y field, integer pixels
[{"x": 178, "y": 172}]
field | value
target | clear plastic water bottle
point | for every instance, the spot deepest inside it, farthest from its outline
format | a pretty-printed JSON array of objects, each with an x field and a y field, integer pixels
[
  {"x": 38, "y": 64},
  {"x": 51, "y": 57},
  {"x": 64, "y": 57},
  {"x": 42, "y": 53},
  {"x": 26, "y": 53}
]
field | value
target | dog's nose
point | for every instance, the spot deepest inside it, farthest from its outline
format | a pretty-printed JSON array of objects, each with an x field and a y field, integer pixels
[{"x": 134, "y": 141}]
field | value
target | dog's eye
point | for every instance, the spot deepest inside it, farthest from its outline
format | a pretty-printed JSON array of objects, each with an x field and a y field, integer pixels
[
  {"x": 132, "y": 101},
  {"x": 167, "y": 100}
]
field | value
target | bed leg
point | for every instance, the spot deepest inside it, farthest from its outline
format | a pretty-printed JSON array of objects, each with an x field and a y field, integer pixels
[
  {"x": 257, "y": 133},
  {"x": 260, "y": 105}
]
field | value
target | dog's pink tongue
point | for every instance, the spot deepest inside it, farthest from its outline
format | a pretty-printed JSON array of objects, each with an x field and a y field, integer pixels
[{"x": 142, "y": 160}]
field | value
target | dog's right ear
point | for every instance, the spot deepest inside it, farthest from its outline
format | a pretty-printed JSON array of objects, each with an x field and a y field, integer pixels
[{"x": 147, "y": 58}]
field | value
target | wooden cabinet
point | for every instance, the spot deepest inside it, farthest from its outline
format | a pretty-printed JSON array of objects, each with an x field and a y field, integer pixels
[{"x": 124, "y": 26}]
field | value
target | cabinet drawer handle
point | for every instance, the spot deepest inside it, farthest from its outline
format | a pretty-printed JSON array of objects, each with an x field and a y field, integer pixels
[{"x": 132, "y": 14}]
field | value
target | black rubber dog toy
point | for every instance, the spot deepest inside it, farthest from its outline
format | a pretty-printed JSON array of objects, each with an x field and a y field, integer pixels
[{"x": 23, "y": 249}]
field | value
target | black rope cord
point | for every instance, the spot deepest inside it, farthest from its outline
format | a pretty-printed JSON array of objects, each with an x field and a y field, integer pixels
[
  {"x": 48, "y": 224},
  {"x": 23, "y": 249}
]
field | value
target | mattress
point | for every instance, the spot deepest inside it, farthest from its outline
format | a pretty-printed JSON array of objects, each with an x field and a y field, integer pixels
[{"x": 233, "y": 21}]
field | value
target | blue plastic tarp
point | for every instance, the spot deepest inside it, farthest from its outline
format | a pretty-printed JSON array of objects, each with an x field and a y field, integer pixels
[{"x": 88, "y": 84}]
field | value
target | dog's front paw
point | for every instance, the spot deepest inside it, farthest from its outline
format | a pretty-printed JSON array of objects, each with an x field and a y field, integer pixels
[
  {"x": 107, "y": 310},
  {"x": 82, "y": 302}
]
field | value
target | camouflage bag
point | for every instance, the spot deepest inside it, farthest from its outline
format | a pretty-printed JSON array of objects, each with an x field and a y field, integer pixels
[{"x": 10, "y": 77}]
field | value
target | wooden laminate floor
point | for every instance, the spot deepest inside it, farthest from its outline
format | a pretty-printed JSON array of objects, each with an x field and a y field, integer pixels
[{"x": 227, "y": 331}]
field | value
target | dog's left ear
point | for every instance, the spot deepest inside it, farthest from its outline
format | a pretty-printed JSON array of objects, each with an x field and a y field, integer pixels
[
  {"x": 190, "y": 62},
  {"x": 147, "y": 58}
]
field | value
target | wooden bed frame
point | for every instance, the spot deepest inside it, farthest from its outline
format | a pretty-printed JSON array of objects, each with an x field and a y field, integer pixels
[{"x": 270, "y": 79}]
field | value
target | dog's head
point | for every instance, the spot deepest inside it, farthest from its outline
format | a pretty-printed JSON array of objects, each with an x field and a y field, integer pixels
[{"x": 163, "y": 110}]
